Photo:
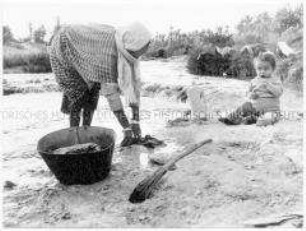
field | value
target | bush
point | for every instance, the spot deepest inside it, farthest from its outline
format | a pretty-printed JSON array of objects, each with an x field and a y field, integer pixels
[
  {"x": 246, "y": 39},
  {"x": 193, "y": 65},
  {"x": 37, "y": 86},
  {"x": 156, "y": 53},
  {"x": 290, "y": 69},
  {"x": 207, "y": 61},
  {"x": 295, "y": 76},
  {"x": 177, "y": 43},
  {"x": 293, "y": 37},
  {"x": 39, "y": 63},
  {"x": 234, "y": 64},
  {"x": 152, "y": 90},
  {"x": 287, "y": 18},
  {"x": 7, "y": 35},
  {"x": 241, "y": 67},
  {"x": 35, "y": 60}
]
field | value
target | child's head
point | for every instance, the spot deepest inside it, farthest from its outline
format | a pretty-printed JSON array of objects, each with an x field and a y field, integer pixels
[{"x": 265, "y": 64}]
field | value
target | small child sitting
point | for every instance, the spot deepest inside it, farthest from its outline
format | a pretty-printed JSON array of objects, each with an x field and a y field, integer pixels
[{"x": 264, "y": 93}]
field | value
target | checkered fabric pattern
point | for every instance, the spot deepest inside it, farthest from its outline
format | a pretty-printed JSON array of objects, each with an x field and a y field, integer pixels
[
  {"x": 91, "y": 50},
  {"x": 80, "y": 55}
]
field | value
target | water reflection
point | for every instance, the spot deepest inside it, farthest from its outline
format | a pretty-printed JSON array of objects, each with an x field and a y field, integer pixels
[
  {"x": 144, "y": 160},
  {"x": 140, "y": 157}
]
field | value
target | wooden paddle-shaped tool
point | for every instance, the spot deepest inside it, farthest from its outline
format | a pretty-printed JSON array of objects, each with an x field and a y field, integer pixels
[{"x": 143, "y": 189}]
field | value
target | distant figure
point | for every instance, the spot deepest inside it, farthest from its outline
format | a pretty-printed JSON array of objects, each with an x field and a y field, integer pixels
[
  {"x": 264, "y": 93},
  {"x": 88, "y": 58}
]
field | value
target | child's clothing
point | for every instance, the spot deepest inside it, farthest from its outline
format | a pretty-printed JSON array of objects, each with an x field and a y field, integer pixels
[
  {"x": 246, "y": 110},
  {"x": 264, "y": 94},
  {"x": 269, "y": 91}
]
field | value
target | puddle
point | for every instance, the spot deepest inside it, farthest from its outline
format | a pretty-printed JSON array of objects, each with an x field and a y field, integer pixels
[
  {"x": 144, "y": 160},
  {"x": 138, "y": 156}
]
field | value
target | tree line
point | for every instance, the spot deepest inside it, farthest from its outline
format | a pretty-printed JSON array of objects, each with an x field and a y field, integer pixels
[{"x": 250, "y": 29}]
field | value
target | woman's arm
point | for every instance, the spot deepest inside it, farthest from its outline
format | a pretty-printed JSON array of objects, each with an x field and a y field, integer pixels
[
  {"x": 135, "y": 120},
  {"x": 116, "y": 106},
  {"x": 131, "y": 130}
]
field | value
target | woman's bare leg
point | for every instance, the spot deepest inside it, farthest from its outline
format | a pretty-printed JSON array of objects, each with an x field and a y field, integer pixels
[
  {"x": 75, "y": 116},
  {"x": 87, "y": 116},
  {"x": 91, "y": 102}
]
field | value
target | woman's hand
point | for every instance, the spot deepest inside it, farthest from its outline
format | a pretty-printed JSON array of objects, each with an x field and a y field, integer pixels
[
  {"x": 132, "y": 131},
  {"x": 132, "y": 134},
  {"x": 134, "y": 124},
  {"x": 128, "y": 138}
]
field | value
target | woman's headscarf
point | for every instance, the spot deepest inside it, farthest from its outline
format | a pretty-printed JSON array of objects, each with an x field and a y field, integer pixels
[{"x": 133, "y": 37}]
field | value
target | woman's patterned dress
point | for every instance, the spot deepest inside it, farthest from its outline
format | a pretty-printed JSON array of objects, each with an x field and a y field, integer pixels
[{"x": 84, "y": 60}]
